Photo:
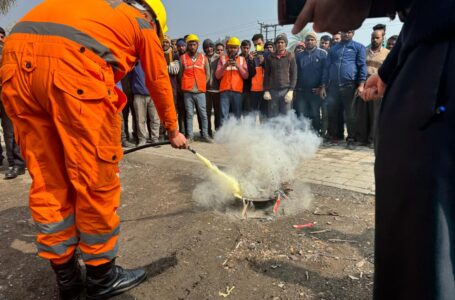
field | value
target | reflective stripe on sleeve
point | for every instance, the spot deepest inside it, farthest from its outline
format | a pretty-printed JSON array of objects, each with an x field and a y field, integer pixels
[{"x": 143, "y": 23}]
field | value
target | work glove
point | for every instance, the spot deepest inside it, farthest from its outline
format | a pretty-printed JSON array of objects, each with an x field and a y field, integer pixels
[
  {"x": 173, "y": 68},
  {"x": 289, "y": 97},
  {"x": 267, "y": 96}
]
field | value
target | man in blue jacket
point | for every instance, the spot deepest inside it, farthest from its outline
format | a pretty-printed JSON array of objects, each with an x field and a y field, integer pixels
[
  {"x": 310, "y": 65},
  {"x": 344, "y": 75}
]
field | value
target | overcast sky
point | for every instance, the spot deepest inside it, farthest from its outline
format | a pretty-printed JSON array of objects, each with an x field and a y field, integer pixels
[{"x": 217, "y": 19}]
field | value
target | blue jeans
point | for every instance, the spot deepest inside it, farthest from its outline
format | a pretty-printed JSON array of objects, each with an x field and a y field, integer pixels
[
  {"x": 230, "y": 101},
  {"x": 191, "y": 100},
  {"x": 308, "y": 105}
]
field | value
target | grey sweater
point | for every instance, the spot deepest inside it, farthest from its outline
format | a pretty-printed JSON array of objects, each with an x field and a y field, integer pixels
[{"x": 280, "y": 73}]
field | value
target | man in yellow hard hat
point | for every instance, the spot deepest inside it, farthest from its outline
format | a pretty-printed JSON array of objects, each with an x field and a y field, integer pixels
[
  {"x": 60, "y": 65},
  {"x": 232, "y": 70},
  {"x": 194, "y": 74}
]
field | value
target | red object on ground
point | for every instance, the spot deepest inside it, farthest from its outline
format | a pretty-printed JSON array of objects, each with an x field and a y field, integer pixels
[
  {"x": 300, "y": 226},
  {"x": 277, "y": 204}
]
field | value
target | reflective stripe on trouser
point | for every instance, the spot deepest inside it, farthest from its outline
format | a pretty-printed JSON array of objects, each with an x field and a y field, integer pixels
[{"x": 68, "y": 129}]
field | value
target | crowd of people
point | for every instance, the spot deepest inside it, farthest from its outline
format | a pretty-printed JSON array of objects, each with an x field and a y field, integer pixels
[{"x": 321, "y": 79}]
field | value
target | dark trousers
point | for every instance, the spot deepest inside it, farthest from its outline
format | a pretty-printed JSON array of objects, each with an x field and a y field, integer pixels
[
  {"x": 213, "y": 102},
  {"x": 325, "y": 118},
  {"x": 366, "y": 120},
  {"x": 127, "y": 110},
  {"x": 13, "y": 154},
  {"x": 251, "y": 102},
  {"x": 415, "y": 179},
  {"x": 308, "y": 105},
  {"x": 277, "y": 106},
  {"x": 181, "y": 113},
  {"x": 340, "y": 103}
]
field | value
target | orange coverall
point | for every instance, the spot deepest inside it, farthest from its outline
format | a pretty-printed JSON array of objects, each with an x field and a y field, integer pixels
[{"x": 59, "y": 68}]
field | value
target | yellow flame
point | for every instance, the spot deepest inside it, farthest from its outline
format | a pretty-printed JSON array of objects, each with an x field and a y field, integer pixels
[{"x": 228, "y": 180}]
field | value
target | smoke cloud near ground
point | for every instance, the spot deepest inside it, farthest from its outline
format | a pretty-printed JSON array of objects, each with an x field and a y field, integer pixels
[{"x": 261, "y": 157}]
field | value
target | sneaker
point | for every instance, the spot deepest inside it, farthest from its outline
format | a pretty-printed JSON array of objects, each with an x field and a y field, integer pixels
[
  {"x": 207, "y": 140},
  {"x": 126, "y": 144}
]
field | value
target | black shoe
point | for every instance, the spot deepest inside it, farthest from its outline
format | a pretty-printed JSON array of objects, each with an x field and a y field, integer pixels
[
  {"x": 108, "y": 280},
  {"x": 126, "y": 144},
  {"x": 350, "y": 145},
  {"x": 69, "y": 280},
  {"x": 13, "y": 172}
]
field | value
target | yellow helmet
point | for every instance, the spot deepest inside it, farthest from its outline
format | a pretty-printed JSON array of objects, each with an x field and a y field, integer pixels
[
  {"x": 192, "y": 38},
  {"x": 159, "y": 10},
  {"x": 233, "y": 41}
]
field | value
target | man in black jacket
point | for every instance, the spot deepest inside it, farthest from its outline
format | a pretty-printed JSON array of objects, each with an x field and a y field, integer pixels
[{"x": 415, "y": 164}]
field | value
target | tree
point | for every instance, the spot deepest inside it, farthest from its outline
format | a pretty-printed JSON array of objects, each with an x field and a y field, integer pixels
[{"x": 5, "y": 5}]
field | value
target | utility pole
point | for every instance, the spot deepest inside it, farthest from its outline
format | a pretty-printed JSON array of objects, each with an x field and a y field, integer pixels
[{"x": 266, "y": 27}]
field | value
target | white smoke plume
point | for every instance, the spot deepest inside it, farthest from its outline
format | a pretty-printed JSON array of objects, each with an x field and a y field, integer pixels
[{"x": 261, "y": 157}]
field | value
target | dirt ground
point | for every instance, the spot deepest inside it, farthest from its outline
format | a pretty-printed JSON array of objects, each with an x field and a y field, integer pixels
[{"x": 196, "y": 253}]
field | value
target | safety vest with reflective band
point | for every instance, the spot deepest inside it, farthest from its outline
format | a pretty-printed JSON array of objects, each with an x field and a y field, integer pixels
[
  {"x": 232, "y": 80},
  {"x": 194, "y": 73},
  {"x": 257, "y": 82}
]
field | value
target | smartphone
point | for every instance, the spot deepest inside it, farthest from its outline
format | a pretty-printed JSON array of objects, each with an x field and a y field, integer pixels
[{"x": 289, "y": 10}]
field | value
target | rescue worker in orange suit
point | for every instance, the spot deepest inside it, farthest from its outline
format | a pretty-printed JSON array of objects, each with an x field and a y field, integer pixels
[{"x": 59, "y": 69}]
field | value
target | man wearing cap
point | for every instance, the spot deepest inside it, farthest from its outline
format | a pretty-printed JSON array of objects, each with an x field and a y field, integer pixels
[
  {"x": 193, "y": 77},
  {"x": 310, "y": 65},
  {"x": 213, "y": 86},
  {"x": 60, "y": 66},
  {"x": 280, "y": 79},
  {"x": 232, "y": 70}
]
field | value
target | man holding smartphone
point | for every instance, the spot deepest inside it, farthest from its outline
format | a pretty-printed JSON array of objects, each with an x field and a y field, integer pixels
[{"x": 232, "y": 70}]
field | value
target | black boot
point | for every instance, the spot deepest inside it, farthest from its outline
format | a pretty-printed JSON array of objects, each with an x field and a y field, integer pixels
[
  {"x": 108, "y": 280},
  {"x": 69, "y": 280},
  {"x": 13, "y": 172}
]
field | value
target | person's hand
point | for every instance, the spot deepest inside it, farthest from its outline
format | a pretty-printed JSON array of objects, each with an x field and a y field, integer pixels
[
  {"x": 267, "y": 96},
  {"x": 374, "y": 88},
  {"x": 322, "y": 93},
  {"x": 289, "y": 97},
  {"x": 177, "y": 140},
  {"x": 360, "y": 89},
  {"x": 332, "y": 15},
  {"x": 261, "y": 59},
  {"x": 316, "y": 91}
]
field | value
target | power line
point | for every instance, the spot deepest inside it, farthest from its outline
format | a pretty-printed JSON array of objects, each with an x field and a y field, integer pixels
[{"x": 266, "y": 27}]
